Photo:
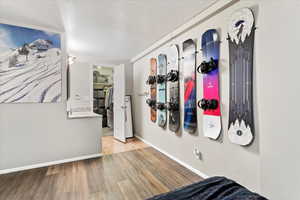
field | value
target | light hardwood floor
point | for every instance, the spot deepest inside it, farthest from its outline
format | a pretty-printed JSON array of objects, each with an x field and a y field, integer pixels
[
  {"x": 132, "y": 175},
  {"x": 111, "y": 145}
]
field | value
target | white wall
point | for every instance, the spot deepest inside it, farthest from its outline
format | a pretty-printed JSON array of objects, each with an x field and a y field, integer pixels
[
  {"x": 270, "y": 165},
  {"x": 128, "y": 78},
  {"x": 278, "y": 87},
  {"x": 38, "y": 133},
  {"x": 81, "y": 82},
  {"x": 219, "y": 157},
  {"x": 128, "y": 69}
]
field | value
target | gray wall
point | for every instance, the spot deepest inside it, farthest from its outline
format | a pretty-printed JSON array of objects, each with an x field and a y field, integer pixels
[
  {"x": 270, "y": 165},
  {"x": 37, "y": 133},
  {"x": 128, "y": 78},
  {"x": 278, "y": 80}
]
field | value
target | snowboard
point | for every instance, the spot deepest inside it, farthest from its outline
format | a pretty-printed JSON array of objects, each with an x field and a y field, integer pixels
[
  {"x": 152, "y": 82},
  {"x": 241, "y": 32},
  {"x": 210, "y": 104},
  {"x": 161, "y": 93},
  {"x": 173, "y": 87},
  {"x": 189, "y": 73}
]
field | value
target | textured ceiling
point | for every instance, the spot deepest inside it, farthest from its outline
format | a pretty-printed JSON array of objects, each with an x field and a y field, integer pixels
[
  {"x": 111, "y": 31},
  {"x": 44, "y": 13}
]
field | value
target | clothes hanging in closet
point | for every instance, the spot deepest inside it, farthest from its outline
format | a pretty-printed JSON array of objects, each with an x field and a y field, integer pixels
[
  {"x": 109, "y": 107},
  {"x": 109, "y": 98}
]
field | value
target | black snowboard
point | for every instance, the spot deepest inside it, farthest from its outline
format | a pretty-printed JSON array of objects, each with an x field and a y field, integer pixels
[{"x": 241, "y": 42}]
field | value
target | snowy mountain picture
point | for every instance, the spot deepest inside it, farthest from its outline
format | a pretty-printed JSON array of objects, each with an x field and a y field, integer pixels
[{"x": 30, "y": 65}]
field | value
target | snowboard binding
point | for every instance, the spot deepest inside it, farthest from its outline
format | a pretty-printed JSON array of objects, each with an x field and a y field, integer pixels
[
  {"x": 208, "y": 104},
  {"x": 151, "y": 80},
  {"x": 173, "y": 76},
  {"x": 172, "y": 106},
  {"x": 151, "y": 103},
  {"x": 161, "y": 79},
  {"x": 160, "y": 106},
  {"x": 207, "y": 67}
]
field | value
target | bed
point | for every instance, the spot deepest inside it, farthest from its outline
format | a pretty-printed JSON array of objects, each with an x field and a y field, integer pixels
[{"x": 215, "y": 188}]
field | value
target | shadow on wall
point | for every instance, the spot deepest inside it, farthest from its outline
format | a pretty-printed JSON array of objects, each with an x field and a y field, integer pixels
[
  {"x": 254, "y": 147},
  {"x": 137, "y": 102}
]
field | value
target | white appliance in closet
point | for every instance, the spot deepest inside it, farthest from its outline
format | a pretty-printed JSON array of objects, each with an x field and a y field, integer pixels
[{"x": 128, "y": 117}]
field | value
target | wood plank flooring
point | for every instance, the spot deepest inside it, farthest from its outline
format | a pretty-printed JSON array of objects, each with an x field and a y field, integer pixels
[
  {"x": 132, "y": 175},
  {"x": 111, "y": 145}
]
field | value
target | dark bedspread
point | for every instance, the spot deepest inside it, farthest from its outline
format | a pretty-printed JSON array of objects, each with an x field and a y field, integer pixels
[{"x": 215, "y": 188}]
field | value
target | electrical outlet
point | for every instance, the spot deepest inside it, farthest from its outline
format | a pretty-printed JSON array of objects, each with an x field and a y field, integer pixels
[{"x": 197, "y": 153}]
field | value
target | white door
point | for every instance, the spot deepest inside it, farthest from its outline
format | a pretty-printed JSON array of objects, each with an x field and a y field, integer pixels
[{"x": 119, "y": 103}]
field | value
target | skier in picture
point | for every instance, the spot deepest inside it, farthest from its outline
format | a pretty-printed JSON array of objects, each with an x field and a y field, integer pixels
[{"x": 24, "y": 50}]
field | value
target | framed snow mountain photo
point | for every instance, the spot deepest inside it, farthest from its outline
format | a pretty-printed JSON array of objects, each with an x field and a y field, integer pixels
[{"x": 30, "y": 65}]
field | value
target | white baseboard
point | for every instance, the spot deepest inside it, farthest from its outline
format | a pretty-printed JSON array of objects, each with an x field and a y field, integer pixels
[
  {"x": 203, "y": 175},
  {"x": 47, "y": 164}
]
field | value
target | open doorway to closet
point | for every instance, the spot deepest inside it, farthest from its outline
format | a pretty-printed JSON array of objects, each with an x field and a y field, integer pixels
[
  {"x": 103, "y": 97},
  {"x": 113, "y": 102}
]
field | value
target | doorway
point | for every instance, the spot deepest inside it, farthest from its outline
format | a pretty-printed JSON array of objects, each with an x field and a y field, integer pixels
[
  {"x": 110, "y": 101},
  {"x": 103, "y": 97}
]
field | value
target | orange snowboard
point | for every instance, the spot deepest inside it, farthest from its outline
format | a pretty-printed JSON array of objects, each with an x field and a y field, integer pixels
[{"x": 152, "y": 82}]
